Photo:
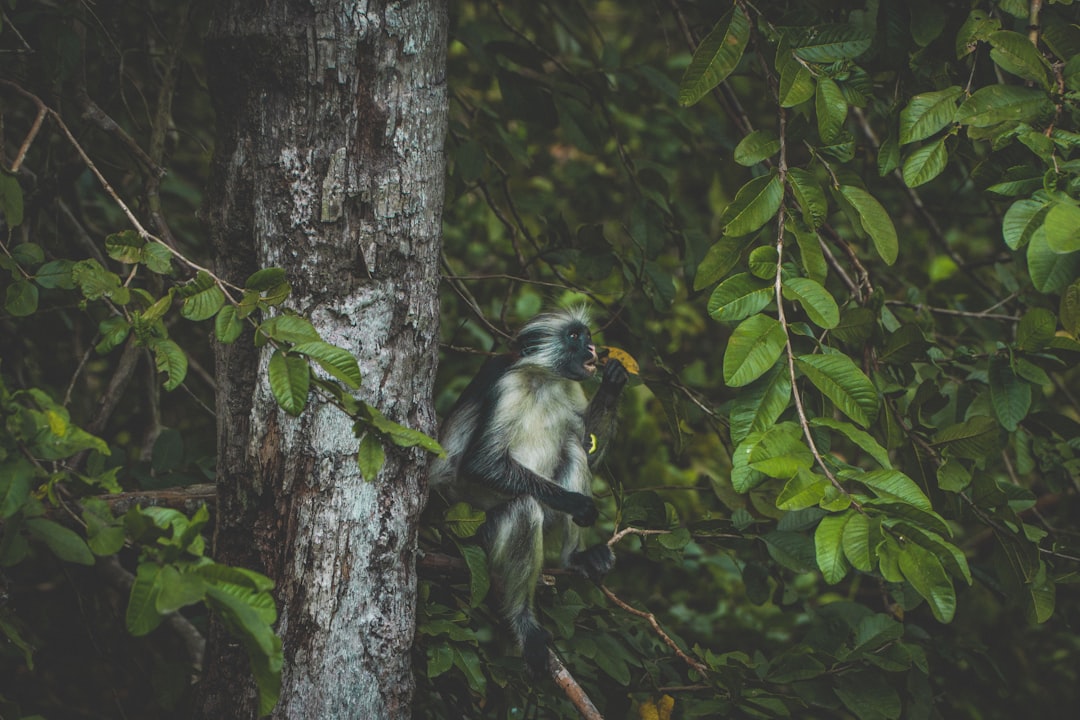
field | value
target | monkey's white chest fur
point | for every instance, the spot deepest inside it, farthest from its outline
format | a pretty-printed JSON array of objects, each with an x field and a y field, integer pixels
[{"x": 544, "y": 425}]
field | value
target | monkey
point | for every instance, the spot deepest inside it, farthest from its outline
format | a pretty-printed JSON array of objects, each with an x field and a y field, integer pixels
[{"x": 520, "y": 443}]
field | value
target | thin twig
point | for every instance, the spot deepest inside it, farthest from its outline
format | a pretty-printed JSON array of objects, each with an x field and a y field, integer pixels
[
  {"x": 143, "y": 232},
  {"x": 634, "y": 531},
  {"x": 651, "y": 619},
  {"x": 572, "y": 689}
]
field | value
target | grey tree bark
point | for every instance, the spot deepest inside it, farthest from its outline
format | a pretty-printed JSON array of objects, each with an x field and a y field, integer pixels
[{"x": 329, "y": 163}]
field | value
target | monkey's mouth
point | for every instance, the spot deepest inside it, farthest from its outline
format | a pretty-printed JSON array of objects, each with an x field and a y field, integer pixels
[{"x": 590, "y": 365}]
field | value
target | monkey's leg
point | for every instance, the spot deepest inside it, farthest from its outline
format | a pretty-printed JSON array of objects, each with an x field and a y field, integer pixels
[{"x": 515, "y": 541}]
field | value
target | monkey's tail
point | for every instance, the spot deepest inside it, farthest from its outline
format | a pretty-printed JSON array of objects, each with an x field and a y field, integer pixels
[{"x": 515, "y": 540}]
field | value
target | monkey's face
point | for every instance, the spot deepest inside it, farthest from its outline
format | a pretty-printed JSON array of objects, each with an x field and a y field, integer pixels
[{"x": 580, "y": 353}]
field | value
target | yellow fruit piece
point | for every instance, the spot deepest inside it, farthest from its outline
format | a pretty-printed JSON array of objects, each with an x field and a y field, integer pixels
[{"x": 624, "y": 357}]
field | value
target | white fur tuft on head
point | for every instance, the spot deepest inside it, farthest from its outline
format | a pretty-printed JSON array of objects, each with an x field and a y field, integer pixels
[{"x": 534, "y": 339}]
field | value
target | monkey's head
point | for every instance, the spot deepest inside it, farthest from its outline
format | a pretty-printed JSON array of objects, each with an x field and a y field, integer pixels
[{"x": 559, "y": 342}]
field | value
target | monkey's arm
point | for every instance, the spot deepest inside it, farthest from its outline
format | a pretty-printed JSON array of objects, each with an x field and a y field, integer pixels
[
  {"x": 493, "y": 466},
  {"x": 600, "y": 416}
]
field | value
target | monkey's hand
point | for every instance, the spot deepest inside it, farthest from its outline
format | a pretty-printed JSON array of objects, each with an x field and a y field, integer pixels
[
  {"x": 615, "y": 377},
  {"x": 580, "y": 507},
  {"x": 594, "y": 563}
]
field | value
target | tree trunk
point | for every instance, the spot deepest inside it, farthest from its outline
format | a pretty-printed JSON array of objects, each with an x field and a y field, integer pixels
[{"x": 329, "y": 163}]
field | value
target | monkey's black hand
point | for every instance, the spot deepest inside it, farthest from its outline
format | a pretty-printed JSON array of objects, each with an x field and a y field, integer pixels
[
  {"x": 615, "y": 377},
  {"x": 594, "y": 563},
  {"x": 580, "y": 507}
]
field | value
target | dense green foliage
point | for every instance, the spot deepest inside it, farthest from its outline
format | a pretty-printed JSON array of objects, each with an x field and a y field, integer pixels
[{"x": 842, "y": 239}]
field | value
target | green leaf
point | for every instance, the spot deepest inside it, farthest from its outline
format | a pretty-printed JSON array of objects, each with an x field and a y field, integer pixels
[
  {"x": 157, "y": 310},
  {"x": 952, "y": 476},
  {"x": 55, "y": 274},
  {"x": 290, "y": 329},
  {"x": 94, "y": 281},
  {"x": 1041, "y": 596},
  {"x": 1069, "y": 309},
  {"x": 831, "y": 109},
  {"x": 399, "y": 434},
  {"x": 338, "y": 362},
  {"x": 855, "y": 540},
  {"x": 869, "y": 695},
  {"x": 888, "y": 157},
  {"x": 924, "y": 571},
  {"x": 290, "y": 380},
  {"x": 16, "y": 475},
  {"x": 370, "y": 457},
  {"x": 719, "y": 260},
  {"x": 755, "y": 204},
  {"x": 178, "y": 590},
  {"x": 829, "y": 547},
  {"x": 157, "y": 258},
  {"x": 818, "y": 303},
  {"x": 841, "y": 380},
  {"x": 1002, "y": 103},
  {"x": 1014, "y": 53},
  {"x": 925, "y": 164},
  {"x": 21, "y": 298},
  {"x": 781, "y": 452},
  {"x": 763, "y": 261},
  {"x": 862, "y": 439},
  {"x": 1051, "y": 272},
  {"x": 978, "y": 27},
  {"x": 743, "y": 477},
  {"x": 142, "y": 615},
  {"x": 753, "y": 348},
  {"x": 125, "y": 247},
  {"x": 927, "y": 113},
  {"x": 739, "y": 297},
  {"x": 808, "y": 193},
  {"x": 479, "y": 581},
  {"x": 227, "y": 325},
  {"x": 716, "y": 57},
  {"x": 28, "y": 255},
  {"x": 114, "y": 332},
  {"x": 894, "y": 485},
  {"x": 759, "y": 405},
  {"x": 265, "y": 279},
  {"x": 796, "y": 82},
  {"x": 874, "y": 221},
  {"x": 975, "y": 438},
  {"x": 1063, "y": 228},
  {"x": 1010, "y": 396},
  {"x": 64, "y": 544},
  {"x": 833, "y": 43},
  {"x": 263, "y": 647},
  {"x": 1021, "y": 221},
  {"x": 463, "y": 520},
  {"x": 171, "y": 360},
  {"x": 810, "y": 253},
  {"x": 204, "y": 304},
  {"x": 805, "y": 489},
  {"x": 1035, "y": 329},
  {"x": 951, "y": 557},
  {"x": 11, "y": 199},
  {"x": 755, "y": 147}
]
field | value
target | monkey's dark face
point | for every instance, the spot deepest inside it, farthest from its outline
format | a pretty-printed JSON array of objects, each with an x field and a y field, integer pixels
[
  {"x": 581, "y": 356},
  {"x": 560, "y": 344}
]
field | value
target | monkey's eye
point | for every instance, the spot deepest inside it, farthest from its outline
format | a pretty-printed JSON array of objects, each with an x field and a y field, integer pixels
[{"x": 574, "y": 334}]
